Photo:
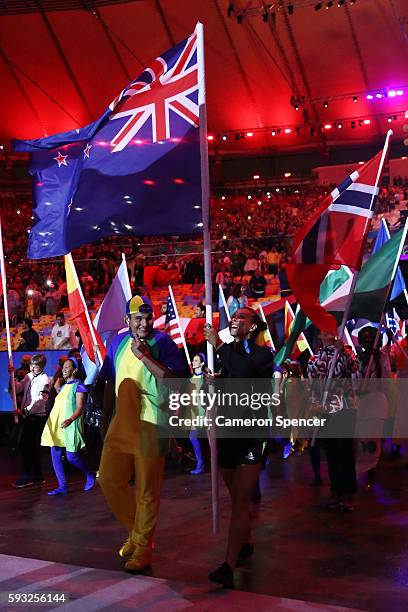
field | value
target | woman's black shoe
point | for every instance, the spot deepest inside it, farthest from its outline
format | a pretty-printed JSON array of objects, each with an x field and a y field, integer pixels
[
  {"x": 246, "y": 551},
  {"x": 223, "y": 575}
]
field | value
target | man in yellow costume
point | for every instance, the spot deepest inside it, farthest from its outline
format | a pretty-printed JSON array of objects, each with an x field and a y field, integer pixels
[{"x": 134, "y": 369}]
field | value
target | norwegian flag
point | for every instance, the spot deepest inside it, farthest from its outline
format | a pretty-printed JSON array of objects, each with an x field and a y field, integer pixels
[
  {"x": 160, "y": 90},
  {"x": 171, "y": 325},
  {"x": 335, "y": 235}
]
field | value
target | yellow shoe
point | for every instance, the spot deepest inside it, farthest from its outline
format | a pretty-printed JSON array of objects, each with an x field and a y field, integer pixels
[
  {"x": 127, "y": 548},
  {"x": 139, "y": 561}
]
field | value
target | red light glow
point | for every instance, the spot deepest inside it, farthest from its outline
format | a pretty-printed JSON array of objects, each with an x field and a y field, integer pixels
[
  {"x": 178, "y": 181},
  {"x": 149, "y": 182}
]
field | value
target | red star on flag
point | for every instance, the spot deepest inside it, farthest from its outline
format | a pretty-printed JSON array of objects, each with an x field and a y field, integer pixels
[
  {"x": 86, "y": 150},
  {"x": 61, "y": 159}
]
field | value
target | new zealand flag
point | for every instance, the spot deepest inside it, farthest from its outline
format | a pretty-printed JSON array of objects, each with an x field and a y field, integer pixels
[{"x": 134, "y": 171}]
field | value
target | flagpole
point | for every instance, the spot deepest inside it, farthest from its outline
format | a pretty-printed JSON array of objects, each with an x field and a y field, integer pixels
[
  {"x": 387, "y": 231},
  {"x": 7, "y": 321},
  {"x": 354, "y": 281},
  {"x": 205, "y": 204},
  {"x": 183, "y": 339},
  {"x": 267, "y": 327},
  {"x": 301, "y": 333},
  {"x": 224, "y": 302},
  {"x": 349, "y": 340},
  {"x": 127, "y": 275},
  {"x": 88, "y": 317},
  {"x": 394, "y": 271}
]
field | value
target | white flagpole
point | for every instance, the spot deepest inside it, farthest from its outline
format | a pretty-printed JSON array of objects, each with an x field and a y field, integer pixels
[
  {"x": 267, "y": 328},
  {"x": 127, "y": 276},
  {"x": 88, "y": 317},
  {"x": 349, "y": 340},
  {"x": 205, "y": 205},
  {"x": 6, "y": 317},
  {"x": 354, "y": 280},
  {"x": 224, "y": 302},
  {"x": 183, "y": 339}
]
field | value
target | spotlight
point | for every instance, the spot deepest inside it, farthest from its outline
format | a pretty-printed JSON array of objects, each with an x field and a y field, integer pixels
[
  {"x": 273, "y": 132},
  {"x": 370, "y": 97},
  {"x": 366, "y": 121},
  {"x": 291, "y": 8},
  {"x": 224, "y": 137},
  {"x": 296, "y": 106},
  {"x": 329, "y": 4},
  {"x": 389, "y": 119},
  {"x": 326, "y": 104},
  {"x": 318, "y": 6},
  {"x": 355, "y": 99},
  {"x": 400, "y": 92},
  {"x": 288, "y": 130},
  {"x": 391, "y": 93},
  {"x": 249, "y": 134},
  {"x": 379, "y": 95},
  {"x": 328, "y": 126},
  {"x": 210, "y": 137},
  {"x": 339, "y": 125},
  {"x": 240, "y": 19}
]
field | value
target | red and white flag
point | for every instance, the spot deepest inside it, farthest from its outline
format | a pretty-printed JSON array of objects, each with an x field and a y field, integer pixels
[{"x": 335, "y": 235}]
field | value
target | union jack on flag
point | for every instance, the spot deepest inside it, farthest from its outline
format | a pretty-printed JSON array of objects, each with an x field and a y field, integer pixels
[
  {"x": 161, "y": 90},
  {"x": 134, "y": 171}
]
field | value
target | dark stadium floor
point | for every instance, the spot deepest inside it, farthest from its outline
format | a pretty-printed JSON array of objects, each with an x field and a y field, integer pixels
[{"x": 302, "y": 551}]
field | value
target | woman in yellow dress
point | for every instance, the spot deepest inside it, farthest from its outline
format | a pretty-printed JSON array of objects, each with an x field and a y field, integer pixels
[{"x": 64, "y": 428}]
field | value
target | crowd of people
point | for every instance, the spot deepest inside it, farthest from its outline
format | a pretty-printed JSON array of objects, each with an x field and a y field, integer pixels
[
  {"x": 267, "y": 222},
  {"x": 127, "y": 406}
]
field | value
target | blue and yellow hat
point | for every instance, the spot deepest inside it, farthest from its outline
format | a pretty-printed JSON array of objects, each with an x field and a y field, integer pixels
[{"x": 139, "y": 303}]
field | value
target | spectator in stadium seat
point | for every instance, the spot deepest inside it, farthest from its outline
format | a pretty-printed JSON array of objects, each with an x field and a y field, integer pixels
[
  {"x": 61, "y": 334},
  {"x": 30, "y": 340},
  {"x": 257, "y": 284}
]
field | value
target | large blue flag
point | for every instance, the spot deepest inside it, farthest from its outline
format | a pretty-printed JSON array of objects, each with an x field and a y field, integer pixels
[
  {"x": 136, "y": 170},
  {"x": 383, "y": 235}
]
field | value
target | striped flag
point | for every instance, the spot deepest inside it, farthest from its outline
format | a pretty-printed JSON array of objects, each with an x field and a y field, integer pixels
[
  {"x": 171, "y": 325},
  {"x": 335, "y": 235},
  {"x": 301, "y": 344},
  {"x": 79, "y": 312},
  {"x": 224, "y": 318}
]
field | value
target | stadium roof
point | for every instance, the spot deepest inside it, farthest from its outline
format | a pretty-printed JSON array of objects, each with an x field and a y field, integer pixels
[{"x": 62, "y": 62}]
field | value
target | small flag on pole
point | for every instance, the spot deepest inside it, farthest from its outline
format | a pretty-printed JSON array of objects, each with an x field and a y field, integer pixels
[{"x": 79, "y": 313}]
